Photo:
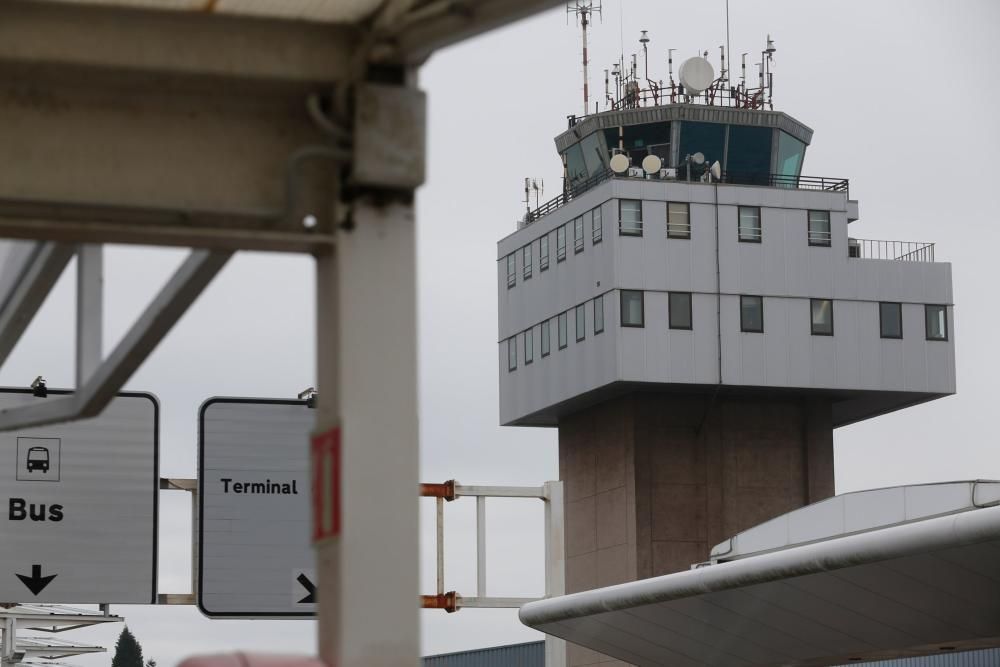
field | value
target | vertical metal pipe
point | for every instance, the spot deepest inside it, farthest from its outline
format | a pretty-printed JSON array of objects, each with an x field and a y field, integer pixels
[
  {"x": 480, "y": 546},
  {"x": 440, "y": 545},
  {"x": 555, "y": 564},
  {"x": 89, "y": 310},
  {"x": 194, "y": 541},
  {"x": 9, "y": 638}
]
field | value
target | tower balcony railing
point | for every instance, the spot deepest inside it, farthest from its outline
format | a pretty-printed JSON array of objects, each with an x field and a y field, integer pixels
[
  {"x": 579, "y": 187},
  {"x": 901, "y": 251}
]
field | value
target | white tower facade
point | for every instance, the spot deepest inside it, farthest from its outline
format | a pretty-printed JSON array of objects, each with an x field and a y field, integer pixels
[{"x": 761, "y": 284}]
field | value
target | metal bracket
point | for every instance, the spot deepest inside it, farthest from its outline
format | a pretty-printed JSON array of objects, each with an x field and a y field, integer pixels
[
  {"x": 107, "y": 377},
  {"x": 550, "y": 493},
  {"x": 555, "y": 561},
  {"x": 191, "y": 486}
]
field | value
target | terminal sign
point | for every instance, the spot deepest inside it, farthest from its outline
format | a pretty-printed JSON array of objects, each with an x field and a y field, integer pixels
[{"x": 254, "y": 557}]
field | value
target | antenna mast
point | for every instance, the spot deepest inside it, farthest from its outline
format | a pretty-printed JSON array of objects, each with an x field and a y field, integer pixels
[{"x": 584, "y": 11}]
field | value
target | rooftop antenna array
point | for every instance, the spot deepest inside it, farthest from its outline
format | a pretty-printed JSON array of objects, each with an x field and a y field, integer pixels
[
  {"x": 538, "y": 186},
  {"x": 698, "y": 82},
  {"x": 584, "y": 11}
]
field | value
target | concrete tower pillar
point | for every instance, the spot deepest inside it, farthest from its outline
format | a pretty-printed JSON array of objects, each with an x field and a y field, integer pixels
[{"x": 654, "y": 480}]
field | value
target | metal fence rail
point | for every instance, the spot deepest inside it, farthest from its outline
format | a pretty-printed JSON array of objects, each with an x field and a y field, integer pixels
[
  {"x": 903, "y": 251},
  {"x": 733, "y": 178},
  {"x": 787, "y": 181}
]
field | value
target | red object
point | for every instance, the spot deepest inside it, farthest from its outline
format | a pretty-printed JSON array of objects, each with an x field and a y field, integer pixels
[
  {"x": 252, "y": 660},
  {"x": 326, "y": 485}
]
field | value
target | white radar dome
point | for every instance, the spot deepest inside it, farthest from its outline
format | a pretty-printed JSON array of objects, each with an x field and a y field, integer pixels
[
  {"x": 619, "y": 163},
  {"x": 696, "y": 75},
  {"x": 651, "y": 164}
]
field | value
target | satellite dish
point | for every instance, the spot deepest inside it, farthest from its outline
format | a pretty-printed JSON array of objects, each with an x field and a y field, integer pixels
[
  {"x": 619, "y": 163},
  {"x": 651, "y": 164},
  {"x": 698, "y": 158},
  {"x": 716, "y": 170},
  {"x": 696, "y": 75}
]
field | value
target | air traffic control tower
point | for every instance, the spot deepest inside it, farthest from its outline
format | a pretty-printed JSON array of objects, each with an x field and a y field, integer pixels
[{"x": 695, "y": 316}]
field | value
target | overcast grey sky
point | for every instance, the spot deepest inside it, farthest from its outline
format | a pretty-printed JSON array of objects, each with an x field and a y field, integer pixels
[{"x": 902, "y": 99}]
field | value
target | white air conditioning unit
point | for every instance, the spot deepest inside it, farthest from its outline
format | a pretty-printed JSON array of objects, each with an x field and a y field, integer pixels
[
  {"x": 636, "y": 172},
  {"x": 668, "y": 174}
]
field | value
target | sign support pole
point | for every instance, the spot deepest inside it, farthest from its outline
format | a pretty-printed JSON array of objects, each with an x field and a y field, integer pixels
[
  {"x": 367, "y": 382},
  {"x": 9, "y": 639}
]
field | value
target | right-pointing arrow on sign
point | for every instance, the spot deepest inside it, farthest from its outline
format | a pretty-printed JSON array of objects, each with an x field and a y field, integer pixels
[
  {"x": 309, "y": 586},
  {"x": 36, "y": 583}
]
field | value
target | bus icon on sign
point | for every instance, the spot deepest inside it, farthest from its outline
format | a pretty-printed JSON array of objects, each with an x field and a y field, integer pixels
[{"x": 38, "y": 459}]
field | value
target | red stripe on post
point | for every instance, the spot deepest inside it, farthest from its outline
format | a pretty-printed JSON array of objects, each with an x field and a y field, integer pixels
[{"x": 326, "y": 471}]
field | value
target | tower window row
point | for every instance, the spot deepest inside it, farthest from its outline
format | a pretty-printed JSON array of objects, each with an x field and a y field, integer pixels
[
  {"x": 526, "y": 339},
  {"x": 752, "y": 315},
  {"x": 749, "y": 230},
  {"x": 749, "y": 226},
  {"x": 679, "y": 315},
  {"x": 575, "y": 229}
]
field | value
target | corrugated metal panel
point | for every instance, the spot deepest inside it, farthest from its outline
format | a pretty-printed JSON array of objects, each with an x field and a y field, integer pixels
[
  {"x": 530, "y": 654},
  {"x": 988, "y": 658}
]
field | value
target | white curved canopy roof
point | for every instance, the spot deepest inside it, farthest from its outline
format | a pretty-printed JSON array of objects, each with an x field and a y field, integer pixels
[{"x": 914, "y": 588}]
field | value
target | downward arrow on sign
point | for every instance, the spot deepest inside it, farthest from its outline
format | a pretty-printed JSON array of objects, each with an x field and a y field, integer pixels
[
  {"x": 309, "y": 586},
  {"x": 36, "y": 583}
]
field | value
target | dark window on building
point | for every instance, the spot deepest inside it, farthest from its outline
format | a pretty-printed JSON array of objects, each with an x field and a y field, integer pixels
[
  {"x": 581, "y": 323},
  {"x": 936, "y": 322},
  {"x": 890, "y": 318},
  {"x": 819, "y": 228},
  {"x": 511, "y": 271},
  {"x": 563, "y": 324},
  {"x": 748, "y": 157},
  {"x": 750, "y": 229},
  {"x": 578, "y": 235},
  {"x": 821, "y": 315},
  {"x": 576, "y": 168},
  {"x": 630, "y": 217},
  {"x": 752, "y": 314},
  {"x": 526, "y": 261},
  {"x": 596, "y": 225},
  {"x": 709, "y": 139},
  {"x": 598, "y": 314},
  {"x": 561, "y": 243},
  {"x": 680, "y": 310},
  {"x": 543, "y": 253},
  {"x": 790, "y": 153},
  {"x": 512, "y": 353},
  {"x": 545, "y": 338},
  {"x": 678, "y": 220},
  {"x": 638, "y": 141},
  {"x": 632, "y": 314},
  {"x": 529, "y": 344}
]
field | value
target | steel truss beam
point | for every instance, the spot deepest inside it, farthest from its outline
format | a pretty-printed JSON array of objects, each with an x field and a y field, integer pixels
[
  {"x": 106, "y": 380},
  {"x": 29, "y": 273}
]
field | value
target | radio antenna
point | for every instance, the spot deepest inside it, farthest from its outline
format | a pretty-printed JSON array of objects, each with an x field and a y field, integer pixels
[
  {"x": 584, "y": 11},
  {"x": 728, "y": 48}
]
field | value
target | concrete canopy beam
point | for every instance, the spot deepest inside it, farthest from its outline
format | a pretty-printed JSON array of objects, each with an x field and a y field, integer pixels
[
  {"x": 412, "y": 31},
  {"x": 113, "y": 134},
  {"x": 161, "y": 43}
]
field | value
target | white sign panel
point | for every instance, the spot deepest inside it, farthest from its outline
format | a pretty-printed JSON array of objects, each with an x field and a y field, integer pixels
[
  {"x": 255, "y": 558},
  {"x": 80, "y": 505}
]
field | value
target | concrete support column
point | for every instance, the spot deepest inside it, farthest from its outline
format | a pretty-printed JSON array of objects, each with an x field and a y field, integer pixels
[
  {"x": 654, "y": 480},
  {"x": 368, "y": 574}
]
